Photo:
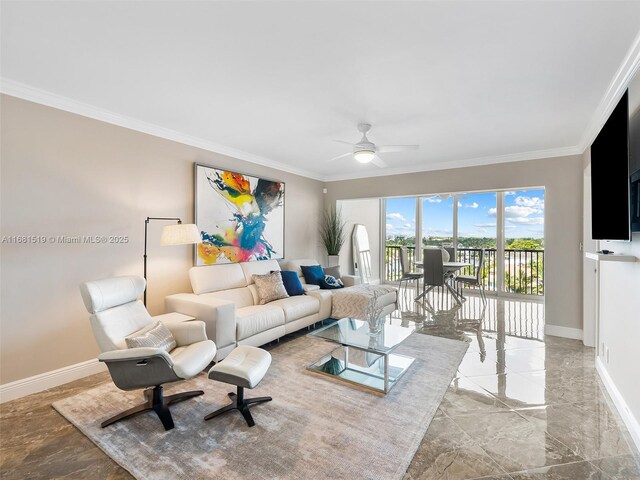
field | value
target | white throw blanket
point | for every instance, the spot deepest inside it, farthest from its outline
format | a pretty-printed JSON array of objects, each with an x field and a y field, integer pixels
[{"x": 353, "y": 301}]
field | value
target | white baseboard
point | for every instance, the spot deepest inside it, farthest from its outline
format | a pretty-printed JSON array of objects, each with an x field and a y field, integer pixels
[
  {"x": 47, "y": 380},
  {"x": 629, "y": 420},
  {"x": 565, "y": 332}
]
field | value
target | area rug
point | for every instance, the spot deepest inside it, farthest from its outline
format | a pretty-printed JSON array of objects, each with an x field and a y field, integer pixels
[{"x": 315, "y": 427}]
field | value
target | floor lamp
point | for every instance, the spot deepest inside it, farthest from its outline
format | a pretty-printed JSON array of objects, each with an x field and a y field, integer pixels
[{"x": 178, "y": 234}]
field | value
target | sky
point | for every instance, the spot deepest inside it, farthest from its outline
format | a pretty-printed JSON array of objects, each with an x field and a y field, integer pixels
[{"x": 524, "y": 215}]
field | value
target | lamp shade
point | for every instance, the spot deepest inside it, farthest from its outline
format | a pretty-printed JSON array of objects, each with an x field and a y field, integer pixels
[{"x": 180, "y": 234}]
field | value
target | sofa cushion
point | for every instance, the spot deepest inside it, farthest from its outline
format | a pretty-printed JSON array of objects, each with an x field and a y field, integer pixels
[
  {"x": 333, "y": 271},
  {"x": 270, "y": 287},
  {"x": 292, "y": 283},
  {"x": 257, "y": 319},
  {"x": 312, "y": 274},
  {"x": 213, "y": 278},
  {"x": 330, "y": 283},
  {"x": 298, "y": 307},
  {"x": 156, "y": 335},
  {"x": 240, "y": 296},
  {"x": 261, "y": 267},
  {"x": 296, "y": 264}
]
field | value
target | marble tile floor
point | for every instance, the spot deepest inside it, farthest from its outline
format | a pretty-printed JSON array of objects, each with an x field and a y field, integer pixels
[
  {"x": 523, "y": 405},
  {"x": 518, "y": 408}
]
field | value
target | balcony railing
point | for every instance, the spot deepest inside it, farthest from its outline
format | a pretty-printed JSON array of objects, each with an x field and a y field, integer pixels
[{"x": 524, "y": 269}]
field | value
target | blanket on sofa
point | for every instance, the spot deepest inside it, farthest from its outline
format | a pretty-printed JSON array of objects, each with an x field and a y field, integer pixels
[{"x": 353, "y": 301}]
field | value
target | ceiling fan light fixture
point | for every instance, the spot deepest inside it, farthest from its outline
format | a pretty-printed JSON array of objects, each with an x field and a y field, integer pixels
[{"x": 364, "y": 156}]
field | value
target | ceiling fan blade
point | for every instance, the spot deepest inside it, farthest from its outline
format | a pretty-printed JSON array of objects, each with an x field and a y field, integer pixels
[
  {"x": 342, "y": 141},
  {"x": 341, "y": 156},
  {"x": 377, "y": 161},
  {"x": 397, "y": 148}
]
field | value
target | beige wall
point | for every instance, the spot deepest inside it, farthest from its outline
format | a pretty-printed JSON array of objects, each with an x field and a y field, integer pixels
[
  {"x": 562, "y": 179},
  {"x": 64, "y": 174}
]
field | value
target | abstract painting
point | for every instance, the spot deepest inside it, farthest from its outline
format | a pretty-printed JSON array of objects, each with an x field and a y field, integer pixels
[{"x": 240, "y": 217}]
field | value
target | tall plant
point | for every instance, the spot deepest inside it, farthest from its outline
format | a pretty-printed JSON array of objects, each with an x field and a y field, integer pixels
[{"x": 332, "y": 231}]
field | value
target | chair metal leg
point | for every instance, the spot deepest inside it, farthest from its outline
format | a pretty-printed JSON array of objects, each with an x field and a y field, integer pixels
[
  {"x": 181, "y": 397},
  {"x": 126, "y": 414},
  {"x": 156, "y": 401},
  {"x": 238, "y": 402}
]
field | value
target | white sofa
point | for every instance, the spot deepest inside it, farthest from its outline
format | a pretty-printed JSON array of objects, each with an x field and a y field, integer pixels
[{"x": 225, "y": 298}]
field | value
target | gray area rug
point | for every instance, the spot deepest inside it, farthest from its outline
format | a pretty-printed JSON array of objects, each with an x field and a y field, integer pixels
[{"x": 315, "y": 427}]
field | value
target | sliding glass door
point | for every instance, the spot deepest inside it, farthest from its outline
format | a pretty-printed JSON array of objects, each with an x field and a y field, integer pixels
[
  {"x": 524, "y": 242},
  {"x": 508, "y": 225},
  {"x": 437, "y": 220},
  {"x": 400, "y": 230},
  {"x": 477, "y": 230}
]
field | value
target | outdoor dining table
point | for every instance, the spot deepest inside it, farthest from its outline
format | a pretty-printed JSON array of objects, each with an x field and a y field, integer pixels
[{"x": 449, "y": 268}]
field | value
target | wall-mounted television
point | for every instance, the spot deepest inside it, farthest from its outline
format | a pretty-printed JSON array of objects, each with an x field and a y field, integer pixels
[
  {"x": 610, "y": 177},
  {"x": 634, "y": 163}
]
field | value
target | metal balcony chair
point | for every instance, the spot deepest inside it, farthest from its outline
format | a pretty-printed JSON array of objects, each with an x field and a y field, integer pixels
[
  {"x": 474, "y": 280},
  {"x": 407, "y": 274}
]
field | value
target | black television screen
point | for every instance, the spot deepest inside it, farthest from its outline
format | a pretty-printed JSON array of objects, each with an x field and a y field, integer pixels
[{"x": 610, "y": 177}]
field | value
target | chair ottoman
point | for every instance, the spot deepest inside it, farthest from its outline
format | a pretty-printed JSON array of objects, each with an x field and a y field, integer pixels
[{"x": 244, "y": 367}]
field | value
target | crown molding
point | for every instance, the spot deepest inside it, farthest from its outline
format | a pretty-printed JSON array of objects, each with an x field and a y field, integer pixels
[
  {"x": 43, "y": 97},
  {"x": 629, "y": 67},
  {"x": 472, "y": 162},
  {"x": 612, "y": 95}
]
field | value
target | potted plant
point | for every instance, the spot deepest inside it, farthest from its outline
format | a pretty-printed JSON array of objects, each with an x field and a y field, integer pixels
[{"x": 332, "y": 232}]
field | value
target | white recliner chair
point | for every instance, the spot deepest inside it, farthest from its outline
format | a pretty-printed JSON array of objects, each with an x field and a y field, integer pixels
[{"x": 116, "y": 313}]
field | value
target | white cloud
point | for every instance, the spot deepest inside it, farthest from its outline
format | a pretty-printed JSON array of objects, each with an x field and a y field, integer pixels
[
  {"x": 516, "y": 211},
  {"x": 439, "y": 232},
  {"x": 433, "y": 199},
  {"x": 396, "y": 216},
  {"x": 533, "y": 202},
  {"x": 407, "y": 225},
  {"x": 473, "y": 205},
  {"x": 509, "y": 193},
  {"x": 389, "y": 226},
  {"x": 459, "y": 204},
  {"x": 527, "y": 220},
  {"x": 484, "y": 225},
  {"x": 521, "y": 215}
]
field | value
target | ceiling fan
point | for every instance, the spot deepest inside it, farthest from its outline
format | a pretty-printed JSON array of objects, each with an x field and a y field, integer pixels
[{"x": 367, "y": 152}]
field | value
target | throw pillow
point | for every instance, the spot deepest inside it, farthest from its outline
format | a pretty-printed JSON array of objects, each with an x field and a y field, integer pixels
[
  {"x": 292, "y": 283},
  {"x": 333, "y": 271},
  {"x": 312, "y": 274},
  {"x": 270, "y": 287},
  {"x": 155, "y": 336},
  {"x": 330, "y": 283}
]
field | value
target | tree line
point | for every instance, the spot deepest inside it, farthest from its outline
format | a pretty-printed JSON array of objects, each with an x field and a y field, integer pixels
[{"x": 470, "y": 242}]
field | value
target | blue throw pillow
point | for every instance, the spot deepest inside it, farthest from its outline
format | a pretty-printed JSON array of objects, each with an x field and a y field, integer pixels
[
  {"x": 330, "y": 283},
  {"x": 312, "y": 274},
  {"x": 292, "y": 283}
]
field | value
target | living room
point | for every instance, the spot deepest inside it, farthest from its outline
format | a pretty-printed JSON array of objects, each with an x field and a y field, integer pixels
[{"x": 111, "y": 111}]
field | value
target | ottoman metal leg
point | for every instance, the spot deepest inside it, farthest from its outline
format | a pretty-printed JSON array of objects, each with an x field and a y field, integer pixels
[{"x": 238, "y": 402}]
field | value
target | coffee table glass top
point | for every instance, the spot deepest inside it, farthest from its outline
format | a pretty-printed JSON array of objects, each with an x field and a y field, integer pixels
[{"x": 355, "y": 333}]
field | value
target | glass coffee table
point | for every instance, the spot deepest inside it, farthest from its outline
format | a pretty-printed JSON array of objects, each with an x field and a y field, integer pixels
[{"x": 363, "y": 358}]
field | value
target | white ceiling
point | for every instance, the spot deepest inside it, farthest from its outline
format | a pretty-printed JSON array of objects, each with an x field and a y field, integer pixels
[{"x": 471, "y": 82}]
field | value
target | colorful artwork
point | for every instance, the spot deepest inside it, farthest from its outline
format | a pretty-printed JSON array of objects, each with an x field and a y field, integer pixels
[{"x": 241, "y": 218}]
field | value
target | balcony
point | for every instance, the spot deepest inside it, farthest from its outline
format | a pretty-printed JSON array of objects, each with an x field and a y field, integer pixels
[{"x": 523, "y": 269}]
